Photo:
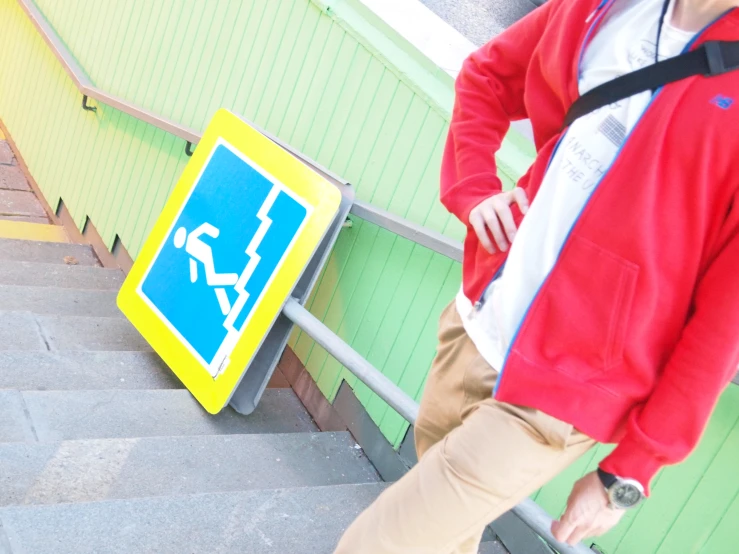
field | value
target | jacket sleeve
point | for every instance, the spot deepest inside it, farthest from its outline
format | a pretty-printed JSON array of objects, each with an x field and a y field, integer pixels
[
  {"x": 666, "y": 428},
  {"x": 489, "y": 95}
]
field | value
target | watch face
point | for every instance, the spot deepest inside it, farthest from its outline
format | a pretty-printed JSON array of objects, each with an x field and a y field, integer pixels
[{"x": 625, "y": 495}]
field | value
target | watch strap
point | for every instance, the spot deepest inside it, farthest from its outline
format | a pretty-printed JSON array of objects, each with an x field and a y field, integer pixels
[{"x": 608, "y": 479}]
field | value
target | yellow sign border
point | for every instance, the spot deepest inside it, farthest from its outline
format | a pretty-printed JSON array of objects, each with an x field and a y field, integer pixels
[{"x": 325, "y": 198}]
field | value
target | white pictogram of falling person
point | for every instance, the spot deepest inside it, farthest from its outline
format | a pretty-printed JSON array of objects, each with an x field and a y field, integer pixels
[{"x": 200, "y": 251}]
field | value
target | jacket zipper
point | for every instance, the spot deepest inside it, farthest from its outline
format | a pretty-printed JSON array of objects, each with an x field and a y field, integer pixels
[
  {"x": 569, "y": 233},
  {"x": 477, "y": 306},
  {"x": 483, "y": 298}
]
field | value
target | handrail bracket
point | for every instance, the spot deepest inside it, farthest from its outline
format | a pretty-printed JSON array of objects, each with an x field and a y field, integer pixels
[{"x": 85, "y": 106}]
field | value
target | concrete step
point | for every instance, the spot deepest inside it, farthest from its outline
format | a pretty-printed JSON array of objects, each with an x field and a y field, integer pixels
[
  {"x": 34, "y": 274},
  {"x": 91, "y": 333},
  {"x": 71, "y": 415},
  {"x": 59, "y": 301},
  {"x": 20, "y": 203},
  {"x": 84, "y": 371},
  {"x": 15, "y": 422},
  {"x": 28, "y": 331},
  {"x": 92, "y": 470},
  {"x": 307, "y": 520},
  {"x": 47, "y": 252},
  {"x": 20, "y": 331}
]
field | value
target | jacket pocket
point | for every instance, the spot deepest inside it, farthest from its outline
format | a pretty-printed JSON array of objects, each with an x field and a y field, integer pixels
[{"x": 580, "y": 321}]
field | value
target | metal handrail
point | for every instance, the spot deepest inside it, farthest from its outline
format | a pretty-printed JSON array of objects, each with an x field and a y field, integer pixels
[
  {"x": 375, "y": 380},
  {"x": 395, "y": 224},
  {"x": 416, "y": 233},
  {"x": 531, "y": 513}
]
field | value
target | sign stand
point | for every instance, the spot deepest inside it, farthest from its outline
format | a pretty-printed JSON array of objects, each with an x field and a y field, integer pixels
[
  {"x": 247, "y": 394},
  {"x": 247, "y": 228}
]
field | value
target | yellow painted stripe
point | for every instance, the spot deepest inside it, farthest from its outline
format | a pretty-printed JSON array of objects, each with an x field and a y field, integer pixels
[
  {"x": 32, "y": 231},
  {"x": 2, "y": 136}
]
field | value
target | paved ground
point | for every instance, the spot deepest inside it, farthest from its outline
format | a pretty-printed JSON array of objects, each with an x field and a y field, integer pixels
[
  {"x": 17, "y": 201},
  {"x": 480, "y": 20}
]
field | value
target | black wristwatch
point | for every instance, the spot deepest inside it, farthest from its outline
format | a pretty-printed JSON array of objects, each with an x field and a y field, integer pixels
[{"x": 622, "y": 493}]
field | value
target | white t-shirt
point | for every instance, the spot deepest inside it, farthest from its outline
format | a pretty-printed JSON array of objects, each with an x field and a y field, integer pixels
[{"x": 624, "y": 43}]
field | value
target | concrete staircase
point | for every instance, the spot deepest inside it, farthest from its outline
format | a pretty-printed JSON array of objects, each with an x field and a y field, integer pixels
[{"x": 102, "y": 451}]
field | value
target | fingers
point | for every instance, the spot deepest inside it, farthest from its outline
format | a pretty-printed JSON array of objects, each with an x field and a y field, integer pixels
[
  {"x": 608, "y": 520},
  {"x": 519, "y": 196},
  {"x": 493, "y": 217},
  {"x": 478, "y": 224},
  {"x": 579, "y": 533},
  {"x": 601, "y": 525},
  {"x": 563, "y": 529},
  {"x": 491, "y": 214},
  {"x": 505, "y": 215},
  {"x": 574, "y": 522},
  {"x": 587, "y": 513},
  {"x": 572, "y": 530}
]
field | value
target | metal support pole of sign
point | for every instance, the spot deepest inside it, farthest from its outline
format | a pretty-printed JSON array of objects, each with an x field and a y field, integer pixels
[{"x": 246, "y": 396}]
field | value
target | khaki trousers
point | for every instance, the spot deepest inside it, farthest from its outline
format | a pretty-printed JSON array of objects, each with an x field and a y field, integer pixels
[{"x": 477, "y": 459}]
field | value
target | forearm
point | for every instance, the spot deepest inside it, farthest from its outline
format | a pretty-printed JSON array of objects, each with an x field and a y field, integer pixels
[{"x": 489, "y": 95}]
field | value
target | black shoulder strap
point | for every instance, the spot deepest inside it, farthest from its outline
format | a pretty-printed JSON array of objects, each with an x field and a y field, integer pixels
[{"x": 710, "y": 59}]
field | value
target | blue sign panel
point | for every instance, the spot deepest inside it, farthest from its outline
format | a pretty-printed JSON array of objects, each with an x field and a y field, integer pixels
[{"x": 221, "y": 254}]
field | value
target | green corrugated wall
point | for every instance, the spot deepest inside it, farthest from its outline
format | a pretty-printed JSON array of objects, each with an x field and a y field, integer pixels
[
  {"x": 374, "y": 111},
  {"x": 295, "y": 68}
]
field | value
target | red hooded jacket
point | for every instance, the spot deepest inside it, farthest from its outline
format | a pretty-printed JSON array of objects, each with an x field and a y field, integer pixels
[{"x": 635, "y": 331}]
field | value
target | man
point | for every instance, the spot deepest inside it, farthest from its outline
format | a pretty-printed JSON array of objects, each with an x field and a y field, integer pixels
[{"x": 610, "y": 312}]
